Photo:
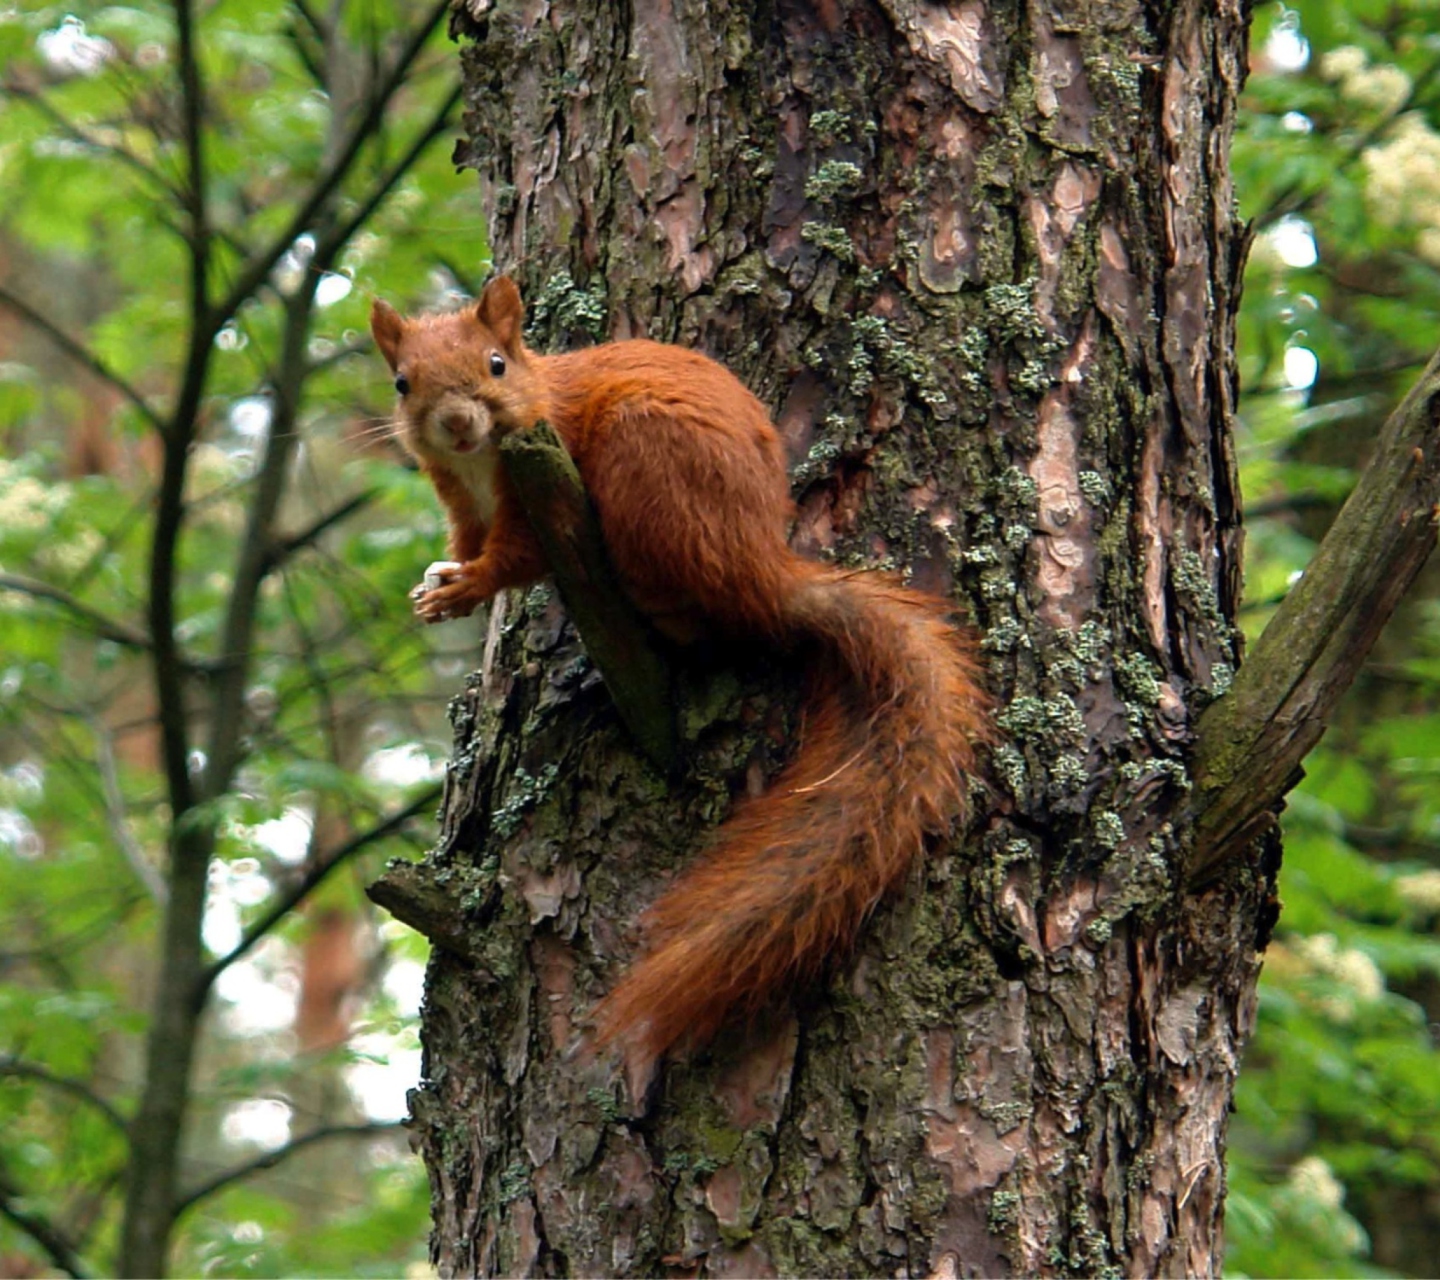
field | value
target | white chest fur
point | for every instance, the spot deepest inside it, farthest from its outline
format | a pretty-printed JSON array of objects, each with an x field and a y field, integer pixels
[{"x": 477, "y": 472}]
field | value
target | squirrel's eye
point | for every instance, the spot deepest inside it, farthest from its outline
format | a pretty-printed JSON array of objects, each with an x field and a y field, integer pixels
[
  {"x": 497, "y": 364},
  {"x": 402, "y": 384}
]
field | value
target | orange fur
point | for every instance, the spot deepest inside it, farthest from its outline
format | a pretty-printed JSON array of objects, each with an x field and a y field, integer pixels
[{"x": 687, "y": 475}]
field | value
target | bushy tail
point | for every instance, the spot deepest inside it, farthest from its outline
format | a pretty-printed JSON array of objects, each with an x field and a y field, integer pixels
[{"x": 890, "y": 735}]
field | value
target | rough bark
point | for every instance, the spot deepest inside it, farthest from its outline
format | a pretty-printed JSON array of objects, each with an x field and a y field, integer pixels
[{"x": 981, "y": 261}]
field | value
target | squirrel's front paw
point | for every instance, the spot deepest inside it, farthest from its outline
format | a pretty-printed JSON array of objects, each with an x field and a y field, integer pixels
[{"x": 445, "y": 593}]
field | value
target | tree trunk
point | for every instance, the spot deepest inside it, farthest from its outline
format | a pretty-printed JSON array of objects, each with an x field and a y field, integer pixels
[{"x": 982, "y": 263}]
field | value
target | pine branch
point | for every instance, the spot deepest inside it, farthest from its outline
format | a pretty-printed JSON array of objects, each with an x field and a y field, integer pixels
[
  {"x": 1250, "y": 743},
  {"x": 616, "y": 638}
]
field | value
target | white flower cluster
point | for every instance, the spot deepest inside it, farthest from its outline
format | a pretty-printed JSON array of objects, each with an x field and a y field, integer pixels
[
  {"x": 1313, "y": 1179},
  {"x": 1382, "y": 88},
  {"x": 1351, "y": 968},
  {"x": 1314, "y": 1190},
  {"x": 1420, "y": 889},
  {"x": 27, "y": 505},
  {"x": 1403, "y": 180}
]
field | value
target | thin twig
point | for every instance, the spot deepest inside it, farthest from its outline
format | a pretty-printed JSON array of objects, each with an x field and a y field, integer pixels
[
  {"x": 145, "y": 871},
  {"x": 253, "y": 275},
  {"x": 271, "y": 1158},
  {"x": 287, "y": 547},
  {"x": 77, "y": 134},
  {"x": 107, "y": 628},
  {"x": 81, "y": 355},
  {"x": 19, "y": 1068},
  {"x": 439, "y": 122},
  {"x": 39, "y": 1228},
  {"x": 314, "y": 875}
]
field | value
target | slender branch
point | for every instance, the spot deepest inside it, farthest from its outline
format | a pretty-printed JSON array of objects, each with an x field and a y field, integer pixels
[
  {"x": 312, "y": 20},
  {"x": 1250, "y": 742},
  {"x": 287, "y": 547},
  {"x": 21, "y": 1069},
  {"x": 1305, "y": 500},
  {"x": 360, "y": 347},
  {"x": 81, "y": 355},
  {"x": 170, "y": 1043},
  {"x": 314, "y": 875},
  {"x": 40, "y": 1229},
  {"x": 253, "y": 275},
  {"x": 237, "y": 640},
  {"x": 77, "y": 134},
  {"x": 145, "y": 871},
  {"x": 439, "y": 122},
  {"x": 107, "y": 628},
  {"x": 307, "y": 59},
  {"x": 271, "y": 1158}
]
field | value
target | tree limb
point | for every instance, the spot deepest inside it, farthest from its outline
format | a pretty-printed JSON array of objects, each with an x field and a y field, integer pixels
[
  {"x": 145, "y": 871},
  {"x": 20, "y": 1069},
  {"x": 271, "y": 1158},
  {"x": 107, "y": 628},
  {"x": 40, "y": 1229},
  {"x": 1250, "y": 742},
  {"x": 314, "y": 875},
  {"x": 287, "y": 547},
  {"x": 254, "y": 273},
  {"x": 439, "y": 121},
  {"x": 77, "y": 352},
  {"x": 616, "y": 638},
  {"x": 73, "y": 131}
]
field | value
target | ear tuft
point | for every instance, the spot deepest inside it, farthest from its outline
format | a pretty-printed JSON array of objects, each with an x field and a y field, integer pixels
[
  {"x": 501, "y": 311},
  {"x": 388, "y": 327}
]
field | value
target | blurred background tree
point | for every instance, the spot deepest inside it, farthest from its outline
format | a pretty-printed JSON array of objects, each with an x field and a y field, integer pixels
[
  {"x": 1335, "y": 1148},
  {"x": 215, "y": 710}
]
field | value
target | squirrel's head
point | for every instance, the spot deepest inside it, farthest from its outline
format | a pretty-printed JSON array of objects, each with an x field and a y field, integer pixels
[{"x": 465, "y": 378}]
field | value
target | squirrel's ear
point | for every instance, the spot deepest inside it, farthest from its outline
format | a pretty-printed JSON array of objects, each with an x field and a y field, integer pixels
[
  {"x": 501, "y": 311},
  {"x": 388, "y": 326}
]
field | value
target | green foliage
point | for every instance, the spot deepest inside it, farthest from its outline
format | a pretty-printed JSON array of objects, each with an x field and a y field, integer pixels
[
  {"x": 343, "y": 707},
  {"x": 1335, "y": 1146}
]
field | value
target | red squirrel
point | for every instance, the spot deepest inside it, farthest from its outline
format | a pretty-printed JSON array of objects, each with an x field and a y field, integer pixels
[{"x": 687, "y": 475}]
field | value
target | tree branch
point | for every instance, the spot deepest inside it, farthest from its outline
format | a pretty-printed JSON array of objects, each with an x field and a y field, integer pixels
[
  {"x": 145, "y": 871},
  {"x": 1250, "y": 742},
  {"x": 107, "y": 628},
  {"x": 271, "y": 1158},
  {"x": 81, "y": 355},
  {"x": 254, "y": 273},
  {"x": 40, "y": 1229},
  {"x": 237, "y": 636},
  {"x": 287, "y": 547},
  {"x": 20, "y": 1069},
  {"x": 337, "y": 239},
  {"x": 616, "y": 638},
  {"x": 73, "y": 131},
  {"x": 314, "y": 875}
]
